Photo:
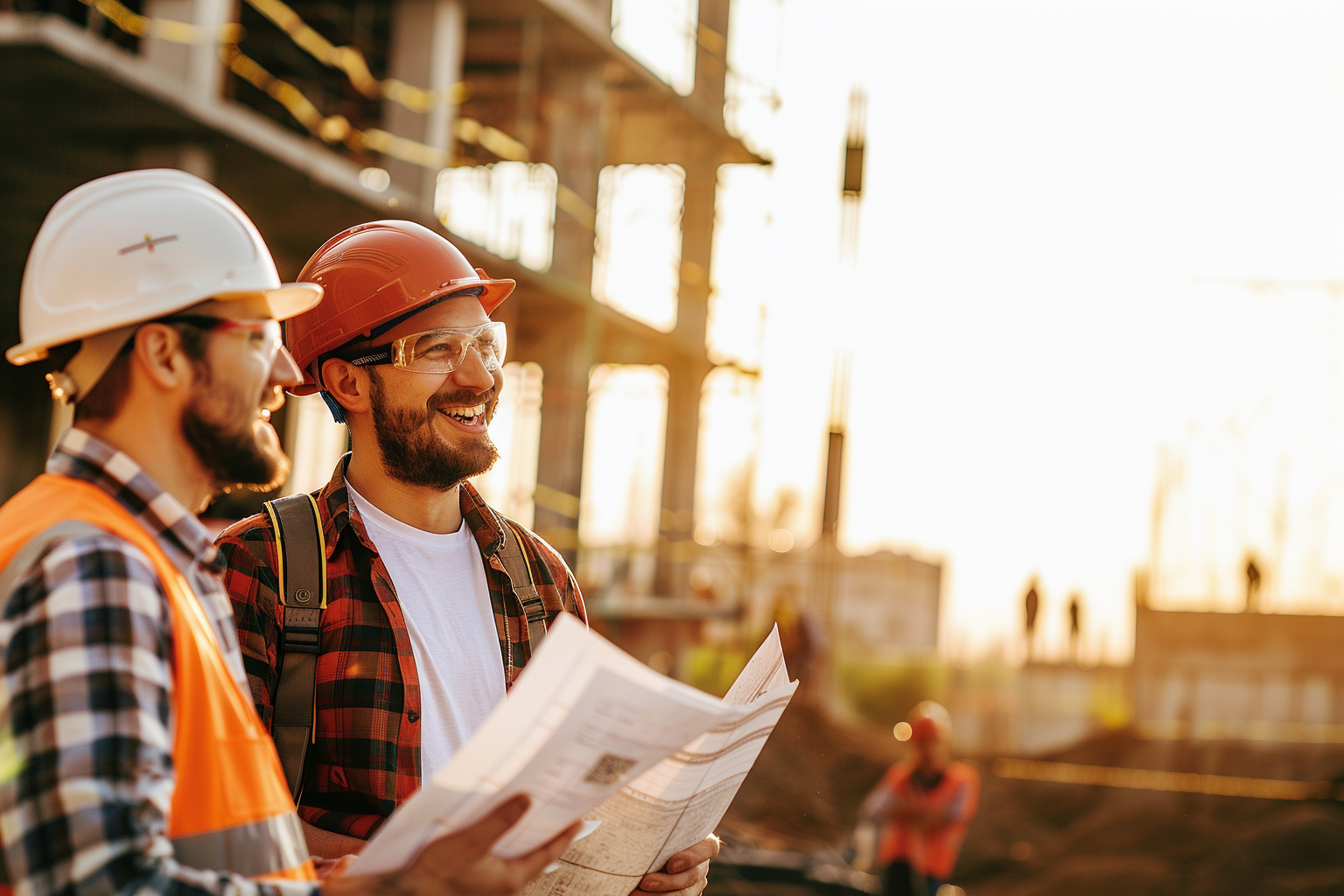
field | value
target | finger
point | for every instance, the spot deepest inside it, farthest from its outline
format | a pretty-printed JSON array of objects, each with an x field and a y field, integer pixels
[
  {"x": 703, "y": 851},
  {"x": 661, "y": 882},
  {"x": 694, "y": 890},
  {"x": 530, "y": 865},
  {"x": 476, "y": 839},
  {"x": 335, "y": 867}
]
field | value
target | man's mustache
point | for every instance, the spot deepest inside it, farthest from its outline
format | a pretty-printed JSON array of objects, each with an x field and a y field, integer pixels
[{"x": 463, "y": 397}]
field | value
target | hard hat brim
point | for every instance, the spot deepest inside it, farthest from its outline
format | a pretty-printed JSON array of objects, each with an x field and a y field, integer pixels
[
  {"x": 22, "y": 354},
  {"x": 288, "y": 300},
  {"x": 285, "y": 302},
  {"x": 495, "y": 292}
]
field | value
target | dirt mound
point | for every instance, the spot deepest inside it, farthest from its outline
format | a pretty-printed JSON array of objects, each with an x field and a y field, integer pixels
[
  {"x": 1039, "y": 839},
  {"x": 804, "y": 791},
  {"x": 1071, "y": 839}
]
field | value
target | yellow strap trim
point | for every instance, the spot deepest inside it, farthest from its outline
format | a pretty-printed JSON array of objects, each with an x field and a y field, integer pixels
[
  {"x": 280, "y": 554},
  {"x": 321, "y": 548}
]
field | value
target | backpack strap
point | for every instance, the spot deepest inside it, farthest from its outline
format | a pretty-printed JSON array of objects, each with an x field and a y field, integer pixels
[
  {"x": 522, "y": 581},
  {"x": 28, "y": 555},
  {"x": 301, "y": 565}
]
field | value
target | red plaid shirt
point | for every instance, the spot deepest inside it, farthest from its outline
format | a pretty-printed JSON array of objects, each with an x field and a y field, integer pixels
[{"x": 365, "y": 759}]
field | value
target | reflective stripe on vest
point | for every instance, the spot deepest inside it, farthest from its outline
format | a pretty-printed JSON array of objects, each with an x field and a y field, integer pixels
[
  {"x": 255, "y": 849},
  {"x": 231, "y": 809}
]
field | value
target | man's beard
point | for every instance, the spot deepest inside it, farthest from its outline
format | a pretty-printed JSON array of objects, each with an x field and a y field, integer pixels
[
  {"x": 232, "y": 452},
  {"x": 414, "y": 454}
]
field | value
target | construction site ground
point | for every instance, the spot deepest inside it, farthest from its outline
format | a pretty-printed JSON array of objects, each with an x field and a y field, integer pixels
[{"x": 1039, "y": 839}]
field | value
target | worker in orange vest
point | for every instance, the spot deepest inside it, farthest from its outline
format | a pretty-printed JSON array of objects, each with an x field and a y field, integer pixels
[
  {"x": 921, "y": 807},
  {"x": 142, "y": 766}
]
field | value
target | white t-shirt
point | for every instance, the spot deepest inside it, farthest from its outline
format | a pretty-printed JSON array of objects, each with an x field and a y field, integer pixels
[{"x": 440, "y": 584}]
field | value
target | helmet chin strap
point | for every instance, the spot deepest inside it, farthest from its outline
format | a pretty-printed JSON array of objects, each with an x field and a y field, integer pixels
[
  {"x": 337, "y": 412},
  {"x": 96, "y": 354}
]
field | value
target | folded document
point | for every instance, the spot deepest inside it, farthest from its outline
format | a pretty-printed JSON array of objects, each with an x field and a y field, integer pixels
[{"x": 589, "y": 731}]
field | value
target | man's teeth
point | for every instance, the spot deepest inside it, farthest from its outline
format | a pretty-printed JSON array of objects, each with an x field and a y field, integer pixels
[{"x": 466, "y": 413}]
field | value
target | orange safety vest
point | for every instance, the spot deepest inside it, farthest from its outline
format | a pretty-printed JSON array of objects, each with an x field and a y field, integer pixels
[
  {"x": 231, "y": 809},
  {"x": 931, "y": 851}
]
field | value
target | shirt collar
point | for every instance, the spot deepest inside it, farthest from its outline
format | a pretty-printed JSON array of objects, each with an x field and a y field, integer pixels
[
  {"x": 81, "y": 455},
  {"x": 335, "y": 497}
]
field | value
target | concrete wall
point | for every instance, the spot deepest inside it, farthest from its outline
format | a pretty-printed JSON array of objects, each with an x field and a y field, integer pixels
[
  {"x": 1239, "y": 675},
  {"x": 888, "y": 601},
  {"x": 1034, "y": 708}
]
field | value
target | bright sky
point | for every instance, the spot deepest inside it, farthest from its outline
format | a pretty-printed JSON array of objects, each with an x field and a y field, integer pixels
[{"x": 1062, "y": 202}]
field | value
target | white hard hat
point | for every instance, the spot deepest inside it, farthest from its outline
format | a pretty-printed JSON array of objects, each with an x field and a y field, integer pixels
[{"x": 137, "y": 246}]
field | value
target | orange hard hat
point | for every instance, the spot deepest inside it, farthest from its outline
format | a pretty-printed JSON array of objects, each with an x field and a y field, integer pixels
[
  {"x": 373, "y": 276},
  {"x": 930, "y": 721}
]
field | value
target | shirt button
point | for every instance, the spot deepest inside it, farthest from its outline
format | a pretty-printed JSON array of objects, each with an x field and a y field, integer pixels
[{"x": 413, "y": 716}]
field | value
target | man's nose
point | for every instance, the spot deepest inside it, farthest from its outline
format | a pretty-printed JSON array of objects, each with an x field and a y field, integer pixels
[{"x": 472, "y": 373}]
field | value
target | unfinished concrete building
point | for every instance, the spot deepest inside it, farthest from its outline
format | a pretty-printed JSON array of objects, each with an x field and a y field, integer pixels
[
  {"x": 318, "y": 116},
  {"x": 1238, "y": 676}
]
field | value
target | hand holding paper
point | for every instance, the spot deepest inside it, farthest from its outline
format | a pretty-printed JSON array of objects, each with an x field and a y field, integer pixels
[
  {"x": 678, "y": 802},
  {"x": 583, "y": 721},
  {"x": 461, "y": 863}
]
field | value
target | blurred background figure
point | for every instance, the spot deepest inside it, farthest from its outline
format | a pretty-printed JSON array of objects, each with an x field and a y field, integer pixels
[
  {"x": 803, "y": 640},
  {"x": 917, "y": 815},
  {"x": 1075, "y": 607},
  {"x": 1252, "y": 586},
  {"x": 1032, "y": 605}
]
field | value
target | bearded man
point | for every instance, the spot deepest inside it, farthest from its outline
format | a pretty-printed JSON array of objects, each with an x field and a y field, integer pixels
[
  {"x": 142, "y": 766},
  {"x": 424, "y": 629}
]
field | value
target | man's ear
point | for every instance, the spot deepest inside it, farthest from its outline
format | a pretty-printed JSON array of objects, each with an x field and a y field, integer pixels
[
  {"x": 347, "y": 383},
  {"x": 157, "y": 351}
]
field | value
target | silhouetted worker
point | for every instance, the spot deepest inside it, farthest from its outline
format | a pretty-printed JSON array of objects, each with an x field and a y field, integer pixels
[
  {"x": 922, "y": 807},
  {"x": 1074, "y": 608},
  {"x": 1252, "y": 586},
  {"x": 802, "y": 641},
  {"x": 1033, "y": 604}
]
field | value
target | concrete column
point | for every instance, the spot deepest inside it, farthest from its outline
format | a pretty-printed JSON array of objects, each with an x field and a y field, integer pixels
[
  {"x": 192, "y": 158},
  {"x": 426, "y": 52},
  {"x": 686, "y": 377},
  {"x": 566, "y": 351},
  {"x": 675, "y": 546},
  {"x": 573, "y": 142},
  {"x": 529, "y": 82},
  {"x": 711, "y": 52},
  {"x": 196, "y": 66},
  {"x": 697, "y": 240}
]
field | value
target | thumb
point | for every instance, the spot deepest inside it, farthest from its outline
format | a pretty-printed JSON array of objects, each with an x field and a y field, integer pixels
[
  {"x": 535, "y": 862},
  {"x": 476, "y": 839}
]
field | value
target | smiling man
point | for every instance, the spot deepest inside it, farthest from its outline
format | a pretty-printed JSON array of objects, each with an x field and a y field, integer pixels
[
  {"x": 142, "y": 765},
  {"x": 426, "y": 625}
]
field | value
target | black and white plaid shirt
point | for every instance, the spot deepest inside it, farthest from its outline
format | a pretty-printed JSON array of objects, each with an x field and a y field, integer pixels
[{"x": 86, "y": 643}]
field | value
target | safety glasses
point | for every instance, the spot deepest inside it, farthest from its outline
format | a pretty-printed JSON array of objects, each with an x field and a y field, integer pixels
[
  {"x": 435, "y": 351},
  {"x": 263, "y": 335}
]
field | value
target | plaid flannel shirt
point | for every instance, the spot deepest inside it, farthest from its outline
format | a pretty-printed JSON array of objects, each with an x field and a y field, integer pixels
[
  {"x": 87, "y": 646},
  {"x": 365, "y": 759}
]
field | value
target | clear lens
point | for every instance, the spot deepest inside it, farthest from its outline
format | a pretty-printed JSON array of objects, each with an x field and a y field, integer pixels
[
  {"x": 260, "y": 335},
  {"x": 444, "y": 350},
  {"x": 268, "y": 338}
]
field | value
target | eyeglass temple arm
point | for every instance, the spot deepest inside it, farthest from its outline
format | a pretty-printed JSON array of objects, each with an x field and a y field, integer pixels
[{"x": 366, "y": 357}]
